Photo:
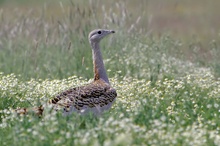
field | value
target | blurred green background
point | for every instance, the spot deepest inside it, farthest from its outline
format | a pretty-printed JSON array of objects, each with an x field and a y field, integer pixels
[
  {"x": 185, "y": 19},
  {"x": 44, "y": 39}
]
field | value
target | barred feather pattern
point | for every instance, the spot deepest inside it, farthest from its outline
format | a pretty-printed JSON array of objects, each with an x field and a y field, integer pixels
[{"x": 95, "y": 97}]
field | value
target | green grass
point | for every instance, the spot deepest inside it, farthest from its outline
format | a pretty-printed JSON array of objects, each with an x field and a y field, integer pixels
[{"x": 168, "y": 85}]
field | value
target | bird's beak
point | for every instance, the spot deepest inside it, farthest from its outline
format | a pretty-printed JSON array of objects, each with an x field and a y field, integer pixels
[{"x": 110, "y": 31}]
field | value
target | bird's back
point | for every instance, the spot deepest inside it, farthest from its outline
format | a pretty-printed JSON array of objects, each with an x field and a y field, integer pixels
[{"x": 94, "y": 97}]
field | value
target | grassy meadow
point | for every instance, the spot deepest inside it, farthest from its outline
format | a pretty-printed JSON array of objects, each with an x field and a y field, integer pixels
[{"x": 163, "y": 61}]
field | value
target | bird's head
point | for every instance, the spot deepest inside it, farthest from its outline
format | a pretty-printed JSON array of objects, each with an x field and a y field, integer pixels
[{"x": 96, "y": 35}]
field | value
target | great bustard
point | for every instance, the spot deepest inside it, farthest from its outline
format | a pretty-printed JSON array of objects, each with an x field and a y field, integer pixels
[{"x": 94, "y": 97}]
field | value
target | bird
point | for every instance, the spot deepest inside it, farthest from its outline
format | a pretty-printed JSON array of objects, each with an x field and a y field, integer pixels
[{"x": 94, "y": 97}]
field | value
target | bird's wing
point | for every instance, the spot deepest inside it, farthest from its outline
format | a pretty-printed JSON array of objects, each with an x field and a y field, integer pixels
[{"x": 91, "y": 95}]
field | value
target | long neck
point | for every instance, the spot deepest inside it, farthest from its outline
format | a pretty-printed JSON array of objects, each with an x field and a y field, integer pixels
[{"x": 98, "y": 65}]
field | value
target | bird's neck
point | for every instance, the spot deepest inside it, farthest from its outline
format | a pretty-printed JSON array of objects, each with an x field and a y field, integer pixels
[{"x": 98, "y": 65}]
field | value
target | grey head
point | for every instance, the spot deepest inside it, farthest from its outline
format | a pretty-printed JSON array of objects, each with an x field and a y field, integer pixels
[{"x": 98, "y": 34}]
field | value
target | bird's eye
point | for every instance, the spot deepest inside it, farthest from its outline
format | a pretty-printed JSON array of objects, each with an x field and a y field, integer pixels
[{"x": 99, "y": 32}]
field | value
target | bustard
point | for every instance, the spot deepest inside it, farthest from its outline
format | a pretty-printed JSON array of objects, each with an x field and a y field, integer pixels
[{"x": 94, "y": 97}]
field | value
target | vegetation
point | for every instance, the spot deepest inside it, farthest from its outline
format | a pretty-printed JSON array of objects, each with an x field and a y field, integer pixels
[{"x": 168, "y": 85}]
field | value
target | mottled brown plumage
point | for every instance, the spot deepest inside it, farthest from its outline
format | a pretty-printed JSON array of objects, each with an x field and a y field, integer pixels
[{"x": 95, "y": 97}]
